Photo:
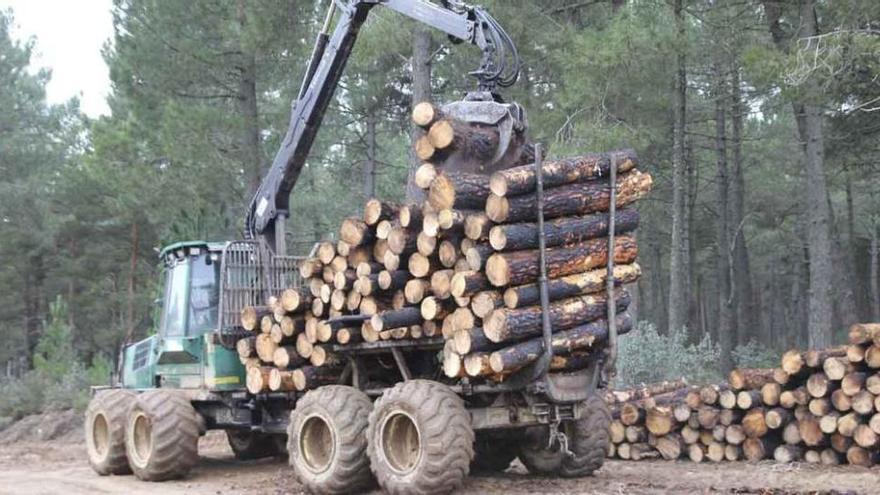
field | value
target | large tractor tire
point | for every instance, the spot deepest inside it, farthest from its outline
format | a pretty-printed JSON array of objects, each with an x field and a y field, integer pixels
[
  {"x": 162, "y": 436},
  {"x": 420, "y": 439},
  {"x": 535, "y": 453},
  {"x": 327, "y": 440},
  {"x": 493, "y": 453},
  {"x": 105, "y": 431},
  {"x": 588, "y": 439},
  {"x": 247, "y": 445}
]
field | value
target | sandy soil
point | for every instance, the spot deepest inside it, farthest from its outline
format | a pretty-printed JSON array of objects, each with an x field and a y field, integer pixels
[{"x": 53, "y": 467}]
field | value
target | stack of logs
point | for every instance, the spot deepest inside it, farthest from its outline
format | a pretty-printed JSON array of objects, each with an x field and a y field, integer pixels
[
  {"x": 819, "y": 406},
  {"x": 462, "y": 265}
]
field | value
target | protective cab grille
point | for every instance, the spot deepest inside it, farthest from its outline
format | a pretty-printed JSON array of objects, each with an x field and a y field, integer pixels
[
  {"x": 141, "y": 354},
  {"x": 249, "y": 275}
]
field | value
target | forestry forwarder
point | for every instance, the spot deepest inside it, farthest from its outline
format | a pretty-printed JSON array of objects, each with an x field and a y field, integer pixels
[{"x": 187, "y": 378}]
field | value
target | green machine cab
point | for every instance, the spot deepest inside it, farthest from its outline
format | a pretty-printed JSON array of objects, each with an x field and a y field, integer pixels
[
  {"x": 192, "y": 350},
  {"x": 186, "y": 351}
]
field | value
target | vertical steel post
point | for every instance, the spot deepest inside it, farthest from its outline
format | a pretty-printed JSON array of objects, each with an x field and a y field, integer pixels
[
  {"x": 542, "y": 261},
  {"x": 610, "y": 364}
]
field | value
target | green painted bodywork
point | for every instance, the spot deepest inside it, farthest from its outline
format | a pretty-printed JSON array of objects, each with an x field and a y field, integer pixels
[{"x": 183, "y": 351}]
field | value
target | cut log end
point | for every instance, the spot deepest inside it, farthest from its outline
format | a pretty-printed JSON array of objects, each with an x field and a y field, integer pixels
[
  {"x": 423, "y": 148},
  {"x": 497, "y": 238},
  {"x": 497, "y": 208},
  {"x": 424, "y": 114},
  {"x": 497, "y": 270},
  {"x": 498, "y": 184},
  {"x": 441, "y": 134},
  {"x": 425, "y": 174}
]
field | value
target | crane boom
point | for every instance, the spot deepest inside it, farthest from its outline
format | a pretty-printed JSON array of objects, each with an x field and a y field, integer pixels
[{"x": 269, "y": 207}]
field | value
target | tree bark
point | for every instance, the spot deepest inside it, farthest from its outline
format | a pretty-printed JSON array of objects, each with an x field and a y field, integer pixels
[
  {"x": 508, "y": 324},
  {"x": 309, "y": 377},
  {"x": 726, "y": 303},
  {"x": 571, "y": 285},
  {"x": 132, "y": 282},
  {"x": 521, "y": 180},
  {"x": 396, "y": 318},
  {"x": 370, "y": 163},
  {"x": 569, "y": 199},
  {"x": 746, "y": 313},
  {"x": 810, "y": 123},
  {"x": 421, "y": 92},
  {"x": 247, "y": 106},
  {"x": 563, "y": 342},
  {"x": 521, "y": 267},
  {"x": 875, "y": 273},
  {"x": 679, "y": 260},
  {"x": 565, "y": 230},
  {"x": 458, "y": 190},
  {"x": 749, "y": 378}
]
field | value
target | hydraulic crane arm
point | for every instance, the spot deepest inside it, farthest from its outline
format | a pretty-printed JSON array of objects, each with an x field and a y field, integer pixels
[{"x": 499, "y": 67}]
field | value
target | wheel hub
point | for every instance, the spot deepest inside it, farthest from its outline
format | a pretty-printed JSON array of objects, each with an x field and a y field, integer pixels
[
  {"x": 317, "y": 444},
  {"x": 100, "y": 435},
  {"x": 142, "y": 439},
  {"x": 401, "y": 442}
]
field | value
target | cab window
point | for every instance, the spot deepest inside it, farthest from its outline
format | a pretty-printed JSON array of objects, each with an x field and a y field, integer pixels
[
  {"x": 174, "y": 314},
  {"x": 204, "y": 296}
]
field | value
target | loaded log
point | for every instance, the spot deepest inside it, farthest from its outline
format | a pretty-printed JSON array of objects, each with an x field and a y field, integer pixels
[
  {"x": 570, "y": 285},
  {"x": 510, "y": 324},
  {"x": 520, "y": 267},
  {"x": 567, "y": 200},
  {"x": 521, "y": 180},
  {"x": 565, "y": 230},
  {"x": 581, "y": 337}
]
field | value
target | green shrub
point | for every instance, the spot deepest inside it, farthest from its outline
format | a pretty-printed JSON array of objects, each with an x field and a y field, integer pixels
[
  {"x": 646, "y": 356},
  {"x": 54, "y": 355},
  {"x": 755, "y": 355},
  {"x": 59, "y": 379},
  {"x": 100, "y": 370},
  {"x": 22, "y": 396}
]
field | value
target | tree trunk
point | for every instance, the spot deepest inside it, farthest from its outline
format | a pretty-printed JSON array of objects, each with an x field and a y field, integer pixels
[
  {"x": 747, "y": 316},
  {"x": 565, "y": 230},
  {"x": 875, "y": 273},
  {"x": 247, "y": 105},
  {"x": 722, "y": 242},
  {"x": 521, "y": 180},
  {"x": 749, "y": 378},
  {"x": 571, "y": 285},
  {"x": 679, "y": 260},
  {"x": 371, "y": 159},
  {"x": 396, "y": 318},
  {"x": 563, "y": 342},
  {"x": 421, "y": 91},
  {"x": 521, "y": 267},
  {"x": 309, "y": 377},
  {"x": 810, "y": 123},
  {"x": 508, "y": 324},
  {"x": 570, "y": 199},
  {"x": 458, "y": 190},
  {"x": 132, "y": 282}
]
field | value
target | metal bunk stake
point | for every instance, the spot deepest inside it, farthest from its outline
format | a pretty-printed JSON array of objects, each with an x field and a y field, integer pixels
[{"x": 610, "y": 364}]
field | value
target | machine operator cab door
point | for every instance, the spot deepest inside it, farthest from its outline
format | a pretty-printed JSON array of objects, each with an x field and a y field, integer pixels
[{"x": 183, "y": 353}]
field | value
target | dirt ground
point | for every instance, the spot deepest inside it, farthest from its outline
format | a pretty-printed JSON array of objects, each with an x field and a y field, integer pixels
[{"x": 37, "y": 460}]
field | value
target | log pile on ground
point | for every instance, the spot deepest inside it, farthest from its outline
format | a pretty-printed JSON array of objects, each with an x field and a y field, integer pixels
[
  {"x": 460, "y": 269},
  {"x": 819, "y": 406}
]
